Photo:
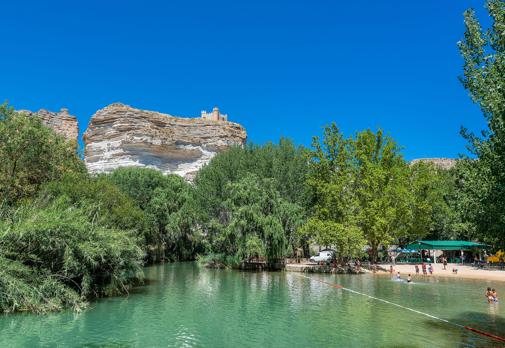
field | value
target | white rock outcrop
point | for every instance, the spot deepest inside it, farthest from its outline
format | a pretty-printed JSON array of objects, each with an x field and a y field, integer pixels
[
  {"x": 442, "y": 163},
  {"x": 121, "y": 136}
]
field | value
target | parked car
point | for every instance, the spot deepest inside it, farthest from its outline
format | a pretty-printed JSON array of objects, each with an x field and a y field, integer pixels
[{"x": 323, "y": 256}]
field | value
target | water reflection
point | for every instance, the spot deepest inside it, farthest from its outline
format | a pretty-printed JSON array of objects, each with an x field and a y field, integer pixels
[{"x": 185, "y": 306}]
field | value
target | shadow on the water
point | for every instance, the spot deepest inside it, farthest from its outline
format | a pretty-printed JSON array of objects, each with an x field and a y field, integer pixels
[
  {"x": 486, "y": 322},
  {"x": 143, "y": 288}
]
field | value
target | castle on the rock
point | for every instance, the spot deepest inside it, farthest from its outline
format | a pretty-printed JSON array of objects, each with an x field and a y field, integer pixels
[{"x": 215, "y": 115}]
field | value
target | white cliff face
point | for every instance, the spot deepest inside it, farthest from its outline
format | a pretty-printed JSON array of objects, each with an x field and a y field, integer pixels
[{"x": 122, "y": 136}]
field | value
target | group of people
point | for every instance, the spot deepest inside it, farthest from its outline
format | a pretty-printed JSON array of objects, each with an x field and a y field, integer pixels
[
  {"x": 425, "y": 269},
  {"x": 491, "y": 295}
]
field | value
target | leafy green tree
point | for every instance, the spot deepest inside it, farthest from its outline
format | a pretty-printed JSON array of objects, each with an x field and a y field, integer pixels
[
  {"x": 363, "y": 191},
  {"x": 30, "y": 155},
  {"x": 251, "y": 222},
  {"x": 173, "y": 218},
  {"x": 283, "y": 162},
  {"x": 482, "y": 180}
]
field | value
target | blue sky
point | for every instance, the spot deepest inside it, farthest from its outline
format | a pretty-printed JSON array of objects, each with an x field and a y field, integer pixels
[{"x": 280, "y": 68}]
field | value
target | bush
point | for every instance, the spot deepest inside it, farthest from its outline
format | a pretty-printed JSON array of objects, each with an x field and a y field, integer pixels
[{"x": 56, "y": 253}]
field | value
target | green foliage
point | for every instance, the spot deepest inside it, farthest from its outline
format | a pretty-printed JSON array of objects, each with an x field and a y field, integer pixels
[
  {"x": 140, "y": 183},
  {"x": 60, "y": 241},
  {"x": 171, "y": 211},
  {"x": 101, "y": 199},
  {"x": 23, "y": 288},
  {"x": 362, "y": 190},
  {"x": 481, "y": 181},
  {"x": 253, "y": 221},
  {"x": 64, "y": 236},
  {"x": 252, "y": 201},
  {"x": 284, "y": 163},
  {"x": 30, "y": 155},
  {"x": 348, "y": 240}
]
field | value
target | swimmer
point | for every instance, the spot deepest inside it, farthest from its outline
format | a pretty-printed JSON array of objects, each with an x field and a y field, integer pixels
[
  {"x": 489, "y": 295},
  {"x": 398, "y": 276},
  {"x": 495, "y": 295},
  {"x": 409, "y": 279}
]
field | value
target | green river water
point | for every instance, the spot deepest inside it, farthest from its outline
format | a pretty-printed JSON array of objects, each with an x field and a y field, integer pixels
[{"x": 188, "y": 306}]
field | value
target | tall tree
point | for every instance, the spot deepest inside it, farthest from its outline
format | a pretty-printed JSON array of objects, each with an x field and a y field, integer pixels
[
  {"x": 482, "y": 180},
  {"x": 363, "y": 191}
]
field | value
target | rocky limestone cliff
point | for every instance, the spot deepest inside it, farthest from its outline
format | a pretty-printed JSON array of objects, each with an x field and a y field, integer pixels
[
  {"x": 121, "y": 136},
  {"x": 61, "y": 122},
  {"x": 442, "y": 163}
]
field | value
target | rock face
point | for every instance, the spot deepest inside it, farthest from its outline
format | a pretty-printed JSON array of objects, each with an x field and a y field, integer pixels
[
  {"x": 121, "y": 136},
  {"x": 442, "y": 163},
  {"x": 61, "y": 122}
]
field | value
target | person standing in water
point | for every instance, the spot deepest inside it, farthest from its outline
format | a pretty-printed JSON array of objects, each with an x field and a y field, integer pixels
[
  {"x": 398, "y": 276},
  {"x": 423, "y": 265},
  {"x": 495, "y": 295},
  {"x": 417, "y": 270},
  {"x": 430, "y": 269},
  {"x": 489, "y": 295},
  {"x": 409, "y": 279}
]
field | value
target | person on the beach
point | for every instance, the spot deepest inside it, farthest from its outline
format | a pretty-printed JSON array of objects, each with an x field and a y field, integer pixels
[
  {"x": 489, "y": 295},
  {"x": 391, "y": 270},
  {"x": 417, "y": 270},
  {"x": 423, "y": 265},
  {"x": 444, "y": 262},
  {"x": 409, "y": 279},
  {"x": 455, "y": 270},
  {"x": 430, "y": 269}
]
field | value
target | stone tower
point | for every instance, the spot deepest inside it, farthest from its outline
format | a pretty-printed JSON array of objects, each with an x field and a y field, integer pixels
[{"x": 215, "y": 115}]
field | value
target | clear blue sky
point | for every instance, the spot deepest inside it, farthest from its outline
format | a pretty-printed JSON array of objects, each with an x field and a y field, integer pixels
[{"x": 280, "y": 68}]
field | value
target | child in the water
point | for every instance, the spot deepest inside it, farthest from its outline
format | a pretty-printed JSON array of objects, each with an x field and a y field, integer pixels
[
  {"x": 409, "y": 279},
  {"x": 489, "y": 295},
  {"x": 398, "y": 277},
  {"x": 495, "y": 295}
]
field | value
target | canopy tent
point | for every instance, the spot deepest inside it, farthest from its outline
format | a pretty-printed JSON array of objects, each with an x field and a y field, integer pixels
[{"x": 445, "y": 245}]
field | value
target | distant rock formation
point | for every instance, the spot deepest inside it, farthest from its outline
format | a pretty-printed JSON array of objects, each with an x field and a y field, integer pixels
[
  {"x": 121, "y": 136},
  {"x": 442, "y": 163},
  {"x": 61, "y": 122}
]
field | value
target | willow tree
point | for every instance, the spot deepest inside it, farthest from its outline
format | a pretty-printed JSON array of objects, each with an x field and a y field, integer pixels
[{"x": 482, "y": 174}]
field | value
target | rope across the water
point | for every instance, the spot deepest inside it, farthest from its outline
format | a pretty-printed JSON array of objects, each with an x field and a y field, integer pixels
[{"x": 337, "y": 286}]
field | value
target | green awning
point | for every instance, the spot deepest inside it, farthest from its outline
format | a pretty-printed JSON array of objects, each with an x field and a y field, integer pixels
[{"x": 444, "y": 245}]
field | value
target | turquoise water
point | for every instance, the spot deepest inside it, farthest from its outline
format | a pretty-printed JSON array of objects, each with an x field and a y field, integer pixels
[{"x": 186, "y": 306}]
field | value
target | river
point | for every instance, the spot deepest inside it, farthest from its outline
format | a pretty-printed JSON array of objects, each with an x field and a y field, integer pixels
[{"x": 184, "y": 305}]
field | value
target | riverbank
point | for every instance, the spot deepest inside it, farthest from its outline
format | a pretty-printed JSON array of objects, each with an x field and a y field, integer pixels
[{"x": 464, "y": 272}]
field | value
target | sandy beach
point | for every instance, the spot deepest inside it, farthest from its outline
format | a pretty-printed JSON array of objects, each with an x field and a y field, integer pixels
[{"x": 464, "y": 272}]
